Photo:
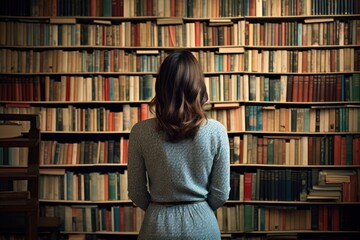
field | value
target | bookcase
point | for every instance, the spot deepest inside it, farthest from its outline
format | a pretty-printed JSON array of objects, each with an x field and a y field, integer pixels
[
  {"x": 19, "y": 177},
  {"x": 283, "y": 76}
]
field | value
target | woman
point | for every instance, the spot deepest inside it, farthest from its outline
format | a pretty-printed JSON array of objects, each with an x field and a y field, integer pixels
[{"x": 178, "y": 167}]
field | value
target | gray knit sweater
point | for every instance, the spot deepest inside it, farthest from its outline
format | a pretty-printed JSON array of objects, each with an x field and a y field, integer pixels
[{"x": 189, "y": 170}]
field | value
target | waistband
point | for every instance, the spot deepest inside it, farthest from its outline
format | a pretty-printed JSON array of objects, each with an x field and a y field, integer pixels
[{"x": 177, "y": 202}]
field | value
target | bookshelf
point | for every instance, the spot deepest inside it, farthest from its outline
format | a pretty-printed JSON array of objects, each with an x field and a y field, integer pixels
[
  {"x": 283, "y": 77},
  {"x": 19, "y": 176}
]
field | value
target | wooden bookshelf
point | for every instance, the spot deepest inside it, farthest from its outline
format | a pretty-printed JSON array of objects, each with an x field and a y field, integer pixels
[
  {"x": 285, "y": 75},
  {"x": 21, "y": 201}
]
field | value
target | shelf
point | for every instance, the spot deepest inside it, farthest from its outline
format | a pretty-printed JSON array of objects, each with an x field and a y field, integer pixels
[
  {"x": 79, "y": 202},
  {"x": 294, "y": 166},
  {"x": 155, "y": 73},
  {"x": 242, "y": 56},
  {"x": 105, "y": 165},
  {"x": 289, "y": 203}
]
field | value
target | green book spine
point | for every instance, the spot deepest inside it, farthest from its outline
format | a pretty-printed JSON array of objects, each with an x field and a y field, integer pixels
[
  {"x": 112, "y": 186},
  {"x": 355, "y": 87},
  {"x": 270, "y": 156},
  {"x": 349, "y": 149},
  {"x": 248, "y": 218}
]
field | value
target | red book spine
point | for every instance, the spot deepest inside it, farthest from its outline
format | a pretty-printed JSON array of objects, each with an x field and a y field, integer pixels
[
  {"x": 111, "y": 121},
  {"x": 335, "y": 218},
  {"x": 197, "y": 33},
  {"x": 106, "y": 187},
  {"x": 247, "y": 186},
  {"x": 93, "y": 8},
  {"x": 67, "y": 93},
  {"x": 144, "y": 110},
  {"x": 343, "y": 151},
  {"x": 114, "y": 8},
  {"x": 337, "y": 149},
  {"x": 121, "y": 219},
  {"x": 107, "y": 89},
  {"x": 326, "y": 218},
  {"x": 125, "y": 151}
]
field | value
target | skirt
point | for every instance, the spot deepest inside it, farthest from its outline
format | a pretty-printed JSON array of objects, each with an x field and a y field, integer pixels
[{"x": 195, "y": 221}]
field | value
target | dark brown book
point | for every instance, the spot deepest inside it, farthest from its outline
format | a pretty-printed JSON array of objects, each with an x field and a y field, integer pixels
[
  {"x": 322, "y": 88},
  {"x": 306, "y": 88},
  {"x": 295, "y": 91},
  {"x": 289, "y": 89},
  {"x": 300, "y": 94}
]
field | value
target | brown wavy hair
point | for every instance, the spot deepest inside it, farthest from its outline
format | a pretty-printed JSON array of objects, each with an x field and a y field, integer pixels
[{"x": 180, "y": 95}]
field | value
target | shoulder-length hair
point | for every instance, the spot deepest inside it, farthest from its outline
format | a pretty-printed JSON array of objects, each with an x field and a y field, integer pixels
[{"x": 180, "y": 95}]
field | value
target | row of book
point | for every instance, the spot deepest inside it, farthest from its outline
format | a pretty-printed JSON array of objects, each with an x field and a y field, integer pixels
[
  {"x": 77, "y": 88},
  {"x": 302, "y": 61},
  {"x": 61, "y": 61},
  {"x": 91, "y": 119},
  {"x": 225, "y": 87},
  {"x": 182, "y": 8},
  {"x": 275, "y": 219},
  {"x": 111, "y": 61},
  {"x": 115, "y": 60},
  {"x": 250, "y": 218},
  {"x": 269, "y": 119},
  {"x": 295, "y": 150},
  {"x": 180, "y": 34},
  {"x": 297, "y": 88},
  {"x": 58, "y": 184},
  {"x": 326, "y": 119},
  {"x": 153, "y": 33},
  {"x": 94, "y": 218},
  {"x": 314, "y": 119},
  {"x": 84, "y": 152},
  {"x": 338, "y": 150},
  {"x": 312, "y": 32},
  {"x": 296, "y": 185},
  {"x": 14, "y": 156}
]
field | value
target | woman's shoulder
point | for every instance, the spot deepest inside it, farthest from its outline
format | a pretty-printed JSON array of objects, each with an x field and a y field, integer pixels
[
  {"x": 144, "y": 125},
  {"x": 212, "y": 123},
  {"x": 215, "y": 127}
]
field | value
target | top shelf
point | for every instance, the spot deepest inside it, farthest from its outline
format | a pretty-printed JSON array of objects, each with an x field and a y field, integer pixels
[
  {"x": 185, "y": 8},
  {"x": 219, "y": 20}
]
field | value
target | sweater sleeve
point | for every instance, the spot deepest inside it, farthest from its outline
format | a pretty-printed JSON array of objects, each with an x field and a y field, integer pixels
[
  {"x": 219, "y": 185},
  {"x": 137, "y": 178}
]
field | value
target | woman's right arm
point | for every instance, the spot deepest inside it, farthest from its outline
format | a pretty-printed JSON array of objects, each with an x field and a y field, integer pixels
[{"x": 137, "y": 180}]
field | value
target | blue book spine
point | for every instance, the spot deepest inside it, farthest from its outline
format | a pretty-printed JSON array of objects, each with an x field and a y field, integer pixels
[
  {"x": 266, "y": 89},
  {"x": 111, "y": 89},
  {"x": 69, "y": 185},
  {"x": 259, "y": 118},
  {"x": 116, "y": 217}
]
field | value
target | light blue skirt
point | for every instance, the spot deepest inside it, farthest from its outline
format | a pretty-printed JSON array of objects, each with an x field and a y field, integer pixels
[{"x": 194, "y": 221}]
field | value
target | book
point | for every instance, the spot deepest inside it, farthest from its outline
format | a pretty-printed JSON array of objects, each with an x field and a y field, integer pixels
[{"x": 10, "y": 130}]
